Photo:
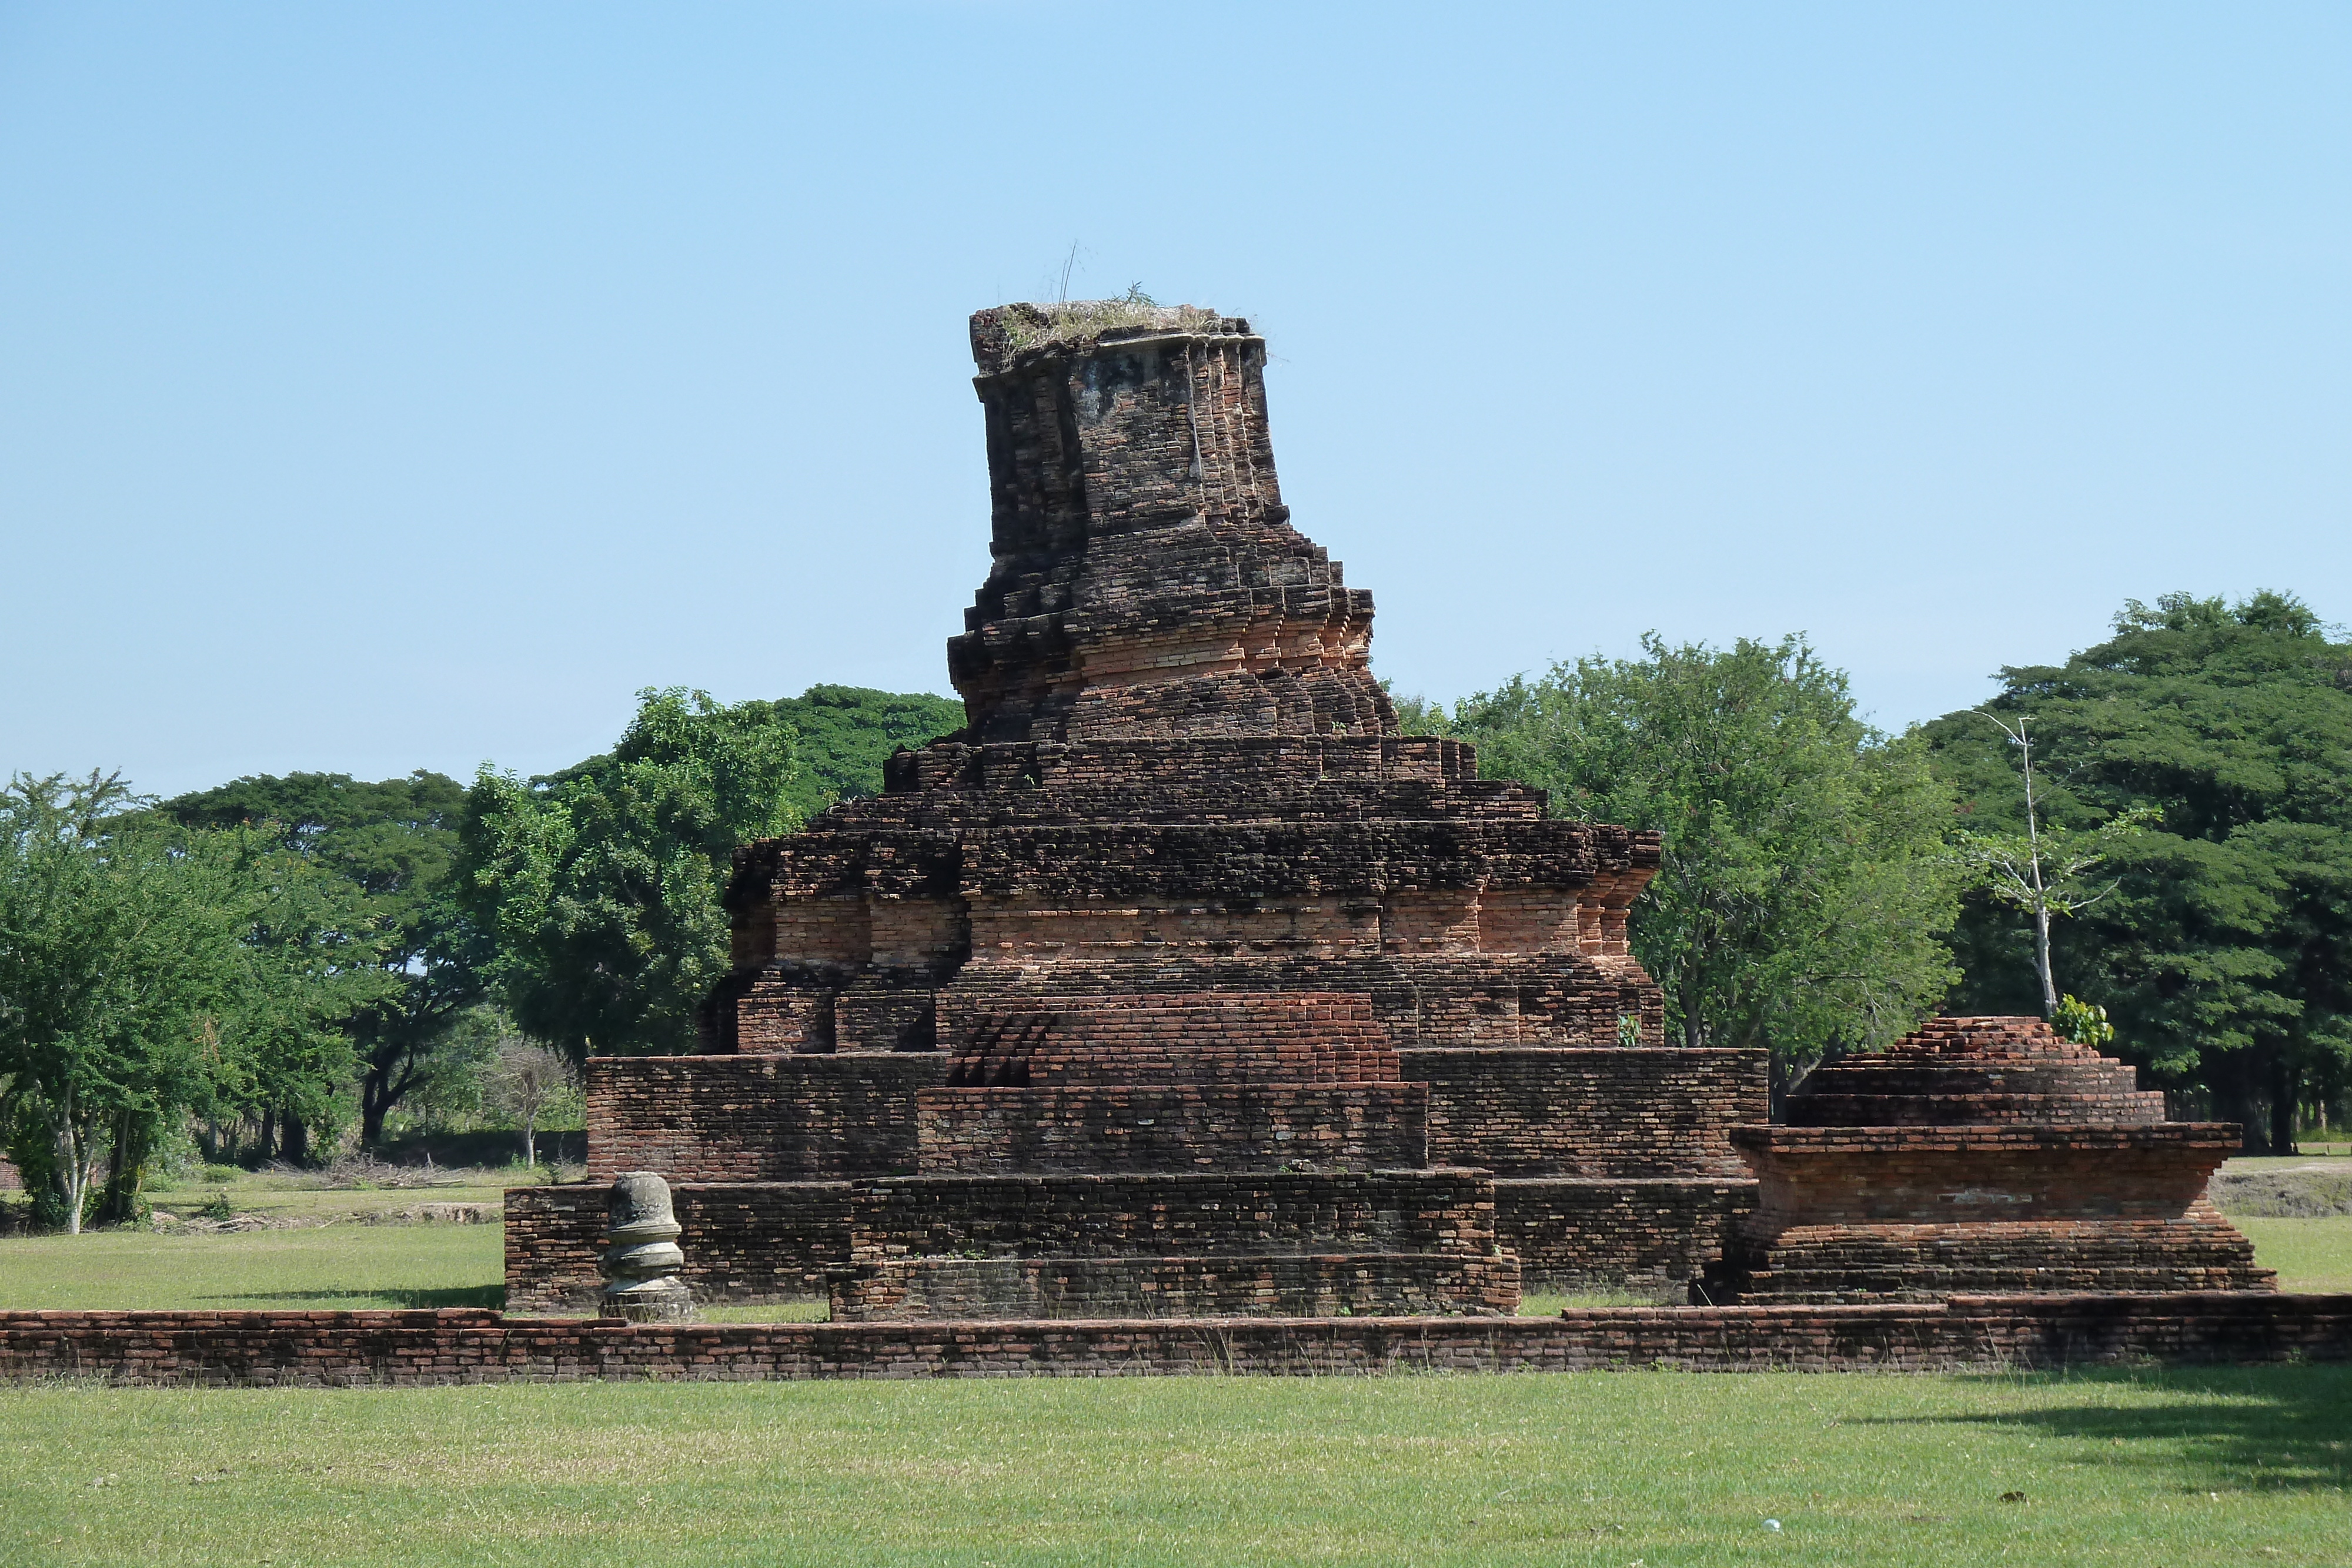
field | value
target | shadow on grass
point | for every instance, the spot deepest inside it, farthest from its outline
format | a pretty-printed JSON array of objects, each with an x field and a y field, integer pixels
[
  {"x": 2249, "y": 1429},
  {"x": 408, "y": 1300}
]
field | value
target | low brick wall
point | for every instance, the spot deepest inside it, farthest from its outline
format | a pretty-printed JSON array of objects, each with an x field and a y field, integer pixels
[
  {"x": 2010, "y": 1332},
  {"x": 771, "y": 1241},
  {"x": 1570, "y": 1234},
  {"x": 744, "y": 1241}
]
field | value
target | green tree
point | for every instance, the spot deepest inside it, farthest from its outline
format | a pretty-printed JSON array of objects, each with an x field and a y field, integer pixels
[
  {"x": 601, "y": 883},
  {"x": 2225, "y": 954},
  {"x": 310, "y": 961},
  {"x": 145, "y": 972},
  {"x": 1418, "y": 714},
  {"x": 1805, "y": 882},
  {"x": 396, "y": 844},
  {"x": 847, "y": 733}
]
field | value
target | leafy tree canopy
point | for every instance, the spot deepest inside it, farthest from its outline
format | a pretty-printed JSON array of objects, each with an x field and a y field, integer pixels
[
  {"x": 841, "y": 737},
  {"x": 396, "y": 844},
  {"x": 1805, "y": 882},
  {"x": 847, "y": 733},
  {"x": 2223, "y": 952},
  {"x": 148, "y": 969},
  {"x": 602, "y": 882}
]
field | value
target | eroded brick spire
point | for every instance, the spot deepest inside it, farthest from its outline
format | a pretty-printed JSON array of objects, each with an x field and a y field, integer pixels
[{"x": 1146, "y": 578}]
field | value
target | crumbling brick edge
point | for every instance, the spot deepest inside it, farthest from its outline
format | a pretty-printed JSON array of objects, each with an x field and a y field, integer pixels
[{"x": 474, "y": 1345}]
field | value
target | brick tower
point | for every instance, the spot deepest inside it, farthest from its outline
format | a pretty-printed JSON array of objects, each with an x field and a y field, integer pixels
[{"x": 1177, "y": 910}]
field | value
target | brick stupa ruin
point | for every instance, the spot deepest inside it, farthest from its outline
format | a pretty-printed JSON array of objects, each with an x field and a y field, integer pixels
[
  {"x": 1179, "y": 982},
  {"x": 1980, "y": 1155}
]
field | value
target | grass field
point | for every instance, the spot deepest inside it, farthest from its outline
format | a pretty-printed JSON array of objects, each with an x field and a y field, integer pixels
[
  {"x": 331, "y": 1264},
  {"x": 2156, "y": 1469},
  {"x": 345, "y": 1267},
  {"x": 2152, "y": 1468},
  {"x": 301, "y": 1198},
  {"x": 2309, "y": 1254}
]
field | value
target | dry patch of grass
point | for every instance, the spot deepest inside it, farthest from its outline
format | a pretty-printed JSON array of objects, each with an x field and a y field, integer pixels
[{"x": 1079, "y": 321}]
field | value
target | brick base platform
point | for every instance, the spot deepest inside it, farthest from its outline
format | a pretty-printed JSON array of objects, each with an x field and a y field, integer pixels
[
  {"x": 752, "y": 1242},
  {"x": 335, "y": 1349}
]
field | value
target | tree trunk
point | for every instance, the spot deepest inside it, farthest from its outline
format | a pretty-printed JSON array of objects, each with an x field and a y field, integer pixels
[
  {"x": 2285, "y": 1084},
  {"x": 1694, "y": 1022},
  {"x": 373, "y": 1106},
  {"x": 379, "y": 1092},
  {"x": 2233, "y": 1102},
  {"x": 134, "y": 1147},
  {"x": 267, "y": 1146},
  {"x": 2042, "y": 960},
  {"x": 293, "y": 1138},
  {"x": 73, "y": 1171}
]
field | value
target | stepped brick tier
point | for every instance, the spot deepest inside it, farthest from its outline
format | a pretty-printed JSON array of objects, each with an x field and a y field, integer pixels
[
  {"x": 1980, "y": 1155},
  {"x": 1082, "y": 1162},
  {"x": 1179, "y": 782}
]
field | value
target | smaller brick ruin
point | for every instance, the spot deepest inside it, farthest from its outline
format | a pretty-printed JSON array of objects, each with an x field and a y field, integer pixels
[{"x": 1980, "y": 1155}]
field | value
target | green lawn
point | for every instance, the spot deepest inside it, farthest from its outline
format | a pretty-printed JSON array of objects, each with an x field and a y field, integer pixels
[
  {"x": 2309, "y": 1254},
  {"x": 346, "y": 1267},
  {"x": 331, "y": 1262},
  {"x": 2314, "y": 1157},
  {"x": 808, "y": 1309},
  {"x": 2148, "y": 1468},
  {"x": 2156, "y": 1469}
]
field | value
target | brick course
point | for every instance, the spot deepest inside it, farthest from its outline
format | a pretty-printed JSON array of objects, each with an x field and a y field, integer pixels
[
  {"x": 1169, "y": 1215},
  {"x": 1573, "y": 1233},
  {"x": 1596, "y": 1113},
  {"x": 1191, "y": 1089},
  {"x": 1281, "y": 1285},
  {"x": 416, "y": 1349},
  {"x": 1158, "y": 1127},
  {"x": 755, "y": 1118}
]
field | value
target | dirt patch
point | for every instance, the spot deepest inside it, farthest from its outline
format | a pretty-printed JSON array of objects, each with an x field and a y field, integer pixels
[{"x": 2317, "y": 1191}]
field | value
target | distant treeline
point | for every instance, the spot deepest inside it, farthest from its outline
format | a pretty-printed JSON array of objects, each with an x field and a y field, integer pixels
[
  {"x": 262, "y": 970},
  {"x": 272, "y": 967}
]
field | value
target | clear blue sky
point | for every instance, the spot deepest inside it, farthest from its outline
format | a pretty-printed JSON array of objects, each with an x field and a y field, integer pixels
[{"x": 385, "y": 387}]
